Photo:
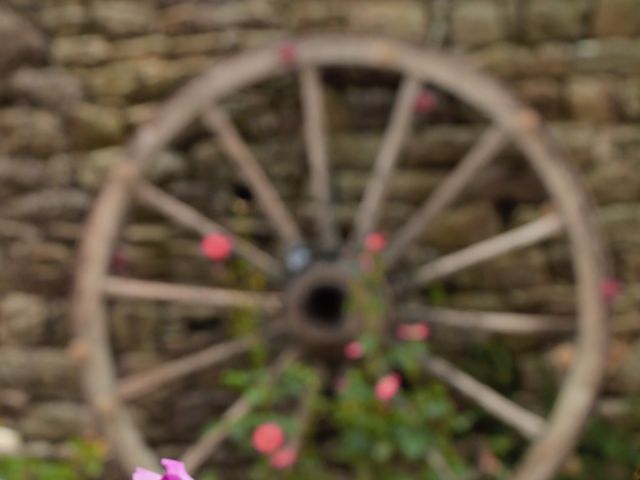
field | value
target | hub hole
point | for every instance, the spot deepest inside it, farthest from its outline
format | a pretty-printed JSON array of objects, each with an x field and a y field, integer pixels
[{"x": 324, "y": 305}]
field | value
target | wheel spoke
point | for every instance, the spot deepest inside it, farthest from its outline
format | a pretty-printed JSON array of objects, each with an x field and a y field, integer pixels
[
  {"x": 140, "y": 384},
  {"x": 397, "y": 130},
  {"x": 173, "y": 292},
  {"x": 527, "y": 423},
  {"x": 206, "y": 445},
  {"x": 499, "y": 322},
  {"x": 245, "y": 162},
  {"x": 185, "y": 215},
  {"x": 520, "y": 237},
  {"x": 315, "y": 136},
  {"x": 485, "y": 149},
  {"x": 439, "y": 464}
]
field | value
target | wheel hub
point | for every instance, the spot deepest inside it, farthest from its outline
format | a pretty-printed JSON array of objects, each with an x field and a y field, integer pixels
[{"x": 319, "y": 307}]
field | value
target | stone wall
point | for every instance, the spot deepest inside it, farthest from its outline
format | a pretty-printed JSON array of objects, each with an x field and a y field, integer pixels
[{"x": 78, "y": 76}]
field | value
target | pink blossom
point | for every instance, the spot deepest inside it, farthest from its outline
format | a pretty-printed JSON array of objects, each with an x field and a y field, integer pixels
[
  {"x": 387, "y": 387},
  {"x": 173, "y": 470},
  {"x": 283, "y": 458},
  {"x": 268, "y": 437},
  {"x": 217, "y": 246},
  {"x": 375, "y": 242},
  {"x": 353, "y": 350},
  {"x": 610, "y": 289},
  {"x": 425, "y": 102},
  {"x": 288, "y": 53},
  {"x": 413, "y": 331}
]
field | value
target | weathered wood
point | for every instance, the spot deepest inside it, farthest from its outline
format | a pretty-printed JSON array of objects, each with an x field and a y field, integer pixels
[
  {"x": 248, "y": 167},
  {"x": 185, "y": 215},
  {"x": 384, "y": 166},
  {"x": 509, "y": 323},
  {"x": 525, "y": 422},
  {"x": 174, "y": 292},
  {"x": 145, "y": 382},
  {"x": 315, "y": 135},
  {"x": 523, "y": 126},
  {"x": 197, "y": 454},
  {"x": 520, "y": 237},
  {"x": 447, "y": 191}
]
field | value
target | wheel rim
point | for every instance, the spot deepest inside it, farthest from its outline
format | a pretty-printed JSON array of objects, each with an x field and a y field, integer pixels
[{"x": 556, "y": 438}]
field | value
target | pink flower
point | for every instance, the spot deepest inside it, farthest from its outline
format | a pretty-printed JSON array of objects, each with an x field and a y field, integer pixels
[
  {"x": 610, "y": 289},
  {"x": 425, "y": 102},
  {"x": 267, "y": 438},
  {"x": 283, "y": 458},
  {"x": 173, "y": 470},
  {"x": 387, "y": 387},
  {"x": 217, "y": 246},
  {"x": 353, "y": 350},
  {"x": 288, "y": 53},
  {"x": 413, "y": 331},
  {"x": 375, "y": 242}
]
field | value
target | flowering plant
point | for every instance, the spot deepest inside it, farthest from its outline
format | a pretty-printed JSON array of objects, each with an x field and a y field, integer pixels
[{"x": 173, "y": 470}]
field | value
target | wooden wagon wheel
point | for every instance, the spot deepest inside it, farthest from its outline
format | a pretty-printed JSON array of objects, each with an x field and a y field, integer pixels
[{"x": 296, "y": 261}]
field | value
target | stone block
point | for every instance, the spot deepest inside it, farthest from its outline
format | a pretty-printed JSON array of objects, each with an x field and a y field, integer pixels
[
  {"x": 591, "y": 99},
  {"x": 476, "y": 300},
  {"x": 622, "y": 224},
  {"x": 522, "y": 269},
  {"x": 406, "y": 185},
  {"x": 23, "y": 318},
  {"x": 46, "y": 371},
  {"x": 305, "y": 14},
  {"x": 610, "y": 55},
  {"x": 55, "y": 421},
  {"x": 544, "y": 94},
  {"x": 630, "y": 97},
  {"x": 191, "y": 17},
  {"x": 11, "y": 443},
  {"x": 24, "y": 173},
  {"x": 93, "y": 126},
  {"x": 627, "y": 377},
  {"x": 617, "y": 18},
  {"x": 51, "y": 88},
  {"x": 399, "y": 18},
  {"x": 478, "y": 22},
  {"x": 550, "y": 19},
  {"x": 65, "y": 18},
  {"x": 118, "y": 18},
  {"x": 199, "y": 43},
  {"x": 549, "y": 298},
  {"x": 81, "y": 50},
  {"x": 28, "y": 131},
  {"x": 116, "y": 81},
  {"x": 94, "y": 167},
  {"x": 461, "y": 226},
  {"x": 20, "y": 41},
  {"x": 144, "y": 46},
  {"x": 615, "y": 181},
  {"x": 53, "y": 203},
  {"x": 505, "y": 59},
  {"x": 577, "y": 140}
]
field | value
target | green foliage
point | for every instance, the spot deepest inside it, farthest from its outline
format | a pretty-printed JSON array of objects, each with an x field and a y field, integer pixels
[
  {"x": 609, "y": 450},
  {"x": 371, "y": 436},
  {"x": 86, "y": 462}
]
